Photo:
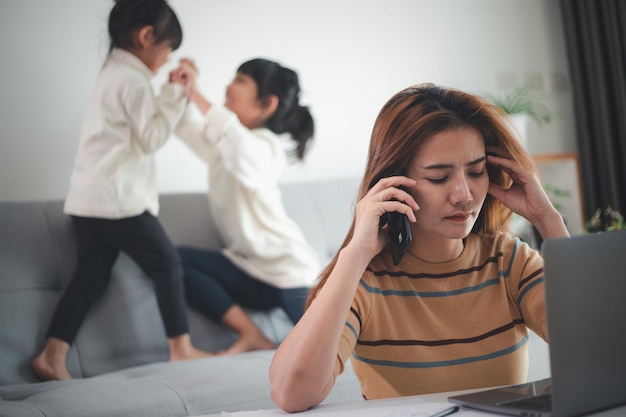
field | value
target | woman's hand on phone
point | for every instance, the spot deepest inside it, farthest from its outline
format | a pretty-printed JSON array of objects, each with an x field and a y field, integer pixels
[{"x": 384, "y": 196}]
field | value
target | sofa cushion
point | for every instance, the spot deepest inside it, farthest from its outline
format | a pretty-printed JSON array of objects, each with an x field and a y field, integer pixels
[
  {"x": 35, "y": 231},
  {"x": 206, "y": 386},
  {"x": 323, "y": 210},
  {"x": 37, "y": 257}
]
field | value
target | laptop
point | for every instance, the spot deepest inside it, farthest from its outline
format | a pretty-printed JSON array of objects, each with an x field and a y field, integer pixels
[{"x": 585, "y": 284}]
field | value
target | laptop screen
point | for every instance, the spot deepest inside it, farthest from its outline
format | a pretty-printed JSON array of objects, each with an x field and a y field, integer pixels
[
  {"x": 585, "y": 280},
  {"x": 585, "y": 283}
]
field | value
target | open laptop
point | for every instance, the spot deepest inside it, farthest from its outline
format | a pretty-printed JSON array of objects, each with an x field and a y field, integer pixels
[{"x": 585, "y": 284}]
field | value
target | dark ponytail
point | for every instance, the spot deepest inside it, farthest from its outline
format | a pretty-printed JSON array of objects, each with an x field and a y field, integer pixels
[
  {"x": 302, "y": 129},
  {"x": 128, "y": 16},
  {"x": 290, "y": 117}
]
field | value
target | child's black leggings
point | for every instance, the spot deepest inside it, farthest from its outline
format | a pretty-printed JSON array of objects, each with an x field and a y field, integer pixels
[{"x": 99, "y": 241}]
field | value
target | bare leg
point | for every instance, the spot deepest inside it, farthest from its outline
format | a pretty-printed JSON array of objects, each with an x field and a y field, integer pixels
[
  {"x": 181, "y": 349},
  {"x": 50, "y": 363},
  {"x": 250, "y": 336}
]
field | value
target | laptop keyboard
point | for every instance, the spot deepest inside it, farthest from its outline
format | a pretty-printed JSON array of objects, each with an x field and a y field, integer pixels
[{"x": 540, "y": 403}]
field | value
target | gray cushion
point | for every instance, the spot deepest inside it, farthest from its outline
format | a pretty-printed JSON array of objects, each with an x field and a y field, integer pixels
[{"x": 206, "y": 386}]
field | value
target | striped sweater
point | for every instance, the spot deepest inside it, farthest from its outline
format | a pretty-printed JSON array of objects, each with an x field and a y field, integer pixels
[{"x": 419, "y": 327}]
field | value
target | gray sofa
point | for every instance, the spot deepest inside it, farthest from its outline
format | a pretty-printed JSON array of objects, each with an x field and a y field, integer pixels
[{"x": 119, "y": 360}]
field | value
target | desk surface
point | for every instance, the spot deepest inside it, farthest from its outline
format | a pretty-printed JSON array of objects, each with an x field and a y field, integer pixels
[{"x": 414, "y": 406}]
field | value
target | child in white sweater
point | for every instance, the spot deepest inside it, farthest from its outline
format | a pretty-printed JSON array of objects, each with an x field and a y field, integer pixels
[
  {"x": 112, "y": 199},
  {"x": 267, "y": 262}
]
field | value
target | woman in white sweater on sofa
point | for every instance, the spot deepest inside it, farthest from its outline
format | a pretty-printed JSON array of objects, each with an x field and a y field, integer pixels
[{"x": 266, "y": 262}]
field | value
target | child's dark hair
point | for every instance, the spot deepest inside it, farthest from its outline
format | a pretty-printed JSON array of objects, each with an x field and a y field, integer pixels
[
  {"x": 128, "y": 16},
  {"x": 273, "y": 79}
]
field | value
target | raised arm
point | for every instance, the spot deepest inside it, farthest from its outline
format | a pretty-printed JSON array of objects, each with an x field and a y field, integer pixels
[
  {"x": 301, "y": 372},
  {"x": 527, "y": 198},
  {"x": 187, "y": 74}
]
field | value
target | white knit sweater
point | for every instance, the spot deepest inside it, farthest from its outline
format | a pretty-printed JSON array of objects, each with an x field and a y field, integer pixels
[
  {"x": 243, "y": 167},
  {"x": 114, "y": 173}
]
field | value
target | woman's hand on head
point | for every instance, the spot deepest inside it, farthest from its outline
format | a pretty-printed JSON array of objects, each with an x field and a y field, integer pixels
[
  {"x": 526, "y": 197},
  {"x": 385, "y": 196}
]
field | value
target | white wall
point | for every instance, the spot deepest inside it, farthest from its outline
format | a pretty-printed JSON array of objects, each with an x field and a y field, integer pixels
[{"x": 352, "y": 55}]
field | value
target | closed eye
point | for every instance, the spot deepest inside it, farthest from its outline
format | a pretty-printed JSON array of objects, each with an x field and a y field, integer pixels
[
  {"x": 477, "y": 174},
  {"x": 442, "y": 180},
  {"x": 438, "y": 180}
]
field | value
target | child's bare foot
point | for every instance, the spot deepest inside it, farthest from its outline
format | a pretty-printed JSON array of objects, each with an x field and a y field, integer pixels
[
  {"x": 50, "y": 363},
  {"x": 246, "y": 343},
  {"x": 250, "y": 336},
  {"x": 48, "y": 371},
  {"x": 181, "y": 349}
]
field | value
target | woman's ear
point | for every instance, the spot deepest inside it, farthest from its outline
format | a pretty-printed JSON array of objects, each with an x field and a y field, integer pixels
[
  {"x": 144, "y": 36},
  {"x": 270, "y": 104}
]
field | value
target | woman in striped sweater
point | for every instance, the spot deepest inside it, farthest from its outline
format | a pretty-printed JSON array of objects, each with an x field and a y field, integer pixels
[{"x": 455, "y": 312}]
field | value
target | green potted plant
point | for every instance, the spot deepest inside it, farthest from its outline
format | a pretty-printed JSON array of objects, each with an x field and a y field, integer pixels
[
  {"x": 521, "y": 100},
  {"x": 605, "y": 221},
  {"x": 522, "y": 105}
]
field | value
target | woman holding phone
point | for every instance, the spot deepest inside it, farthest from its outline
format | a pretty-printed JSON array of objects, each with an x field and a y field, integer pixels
[{"x": 455, "y": 312}]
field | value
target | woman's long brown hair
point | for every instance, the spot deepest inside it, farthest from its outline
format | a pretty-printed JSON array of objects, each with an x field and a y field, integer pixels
[{"x": 414, "y": 115}]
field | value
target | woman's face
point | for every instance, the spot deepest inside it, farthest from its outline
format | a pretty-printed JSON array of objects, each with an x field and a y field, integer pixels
[
  {"x": 242, "y": 99},
  {"x": 452, "y": 183}
]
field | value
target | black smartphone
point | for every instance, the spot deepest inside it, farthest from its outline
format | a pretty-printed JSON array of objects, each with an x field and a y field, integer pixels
[{"x": 399, "y": 234}]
